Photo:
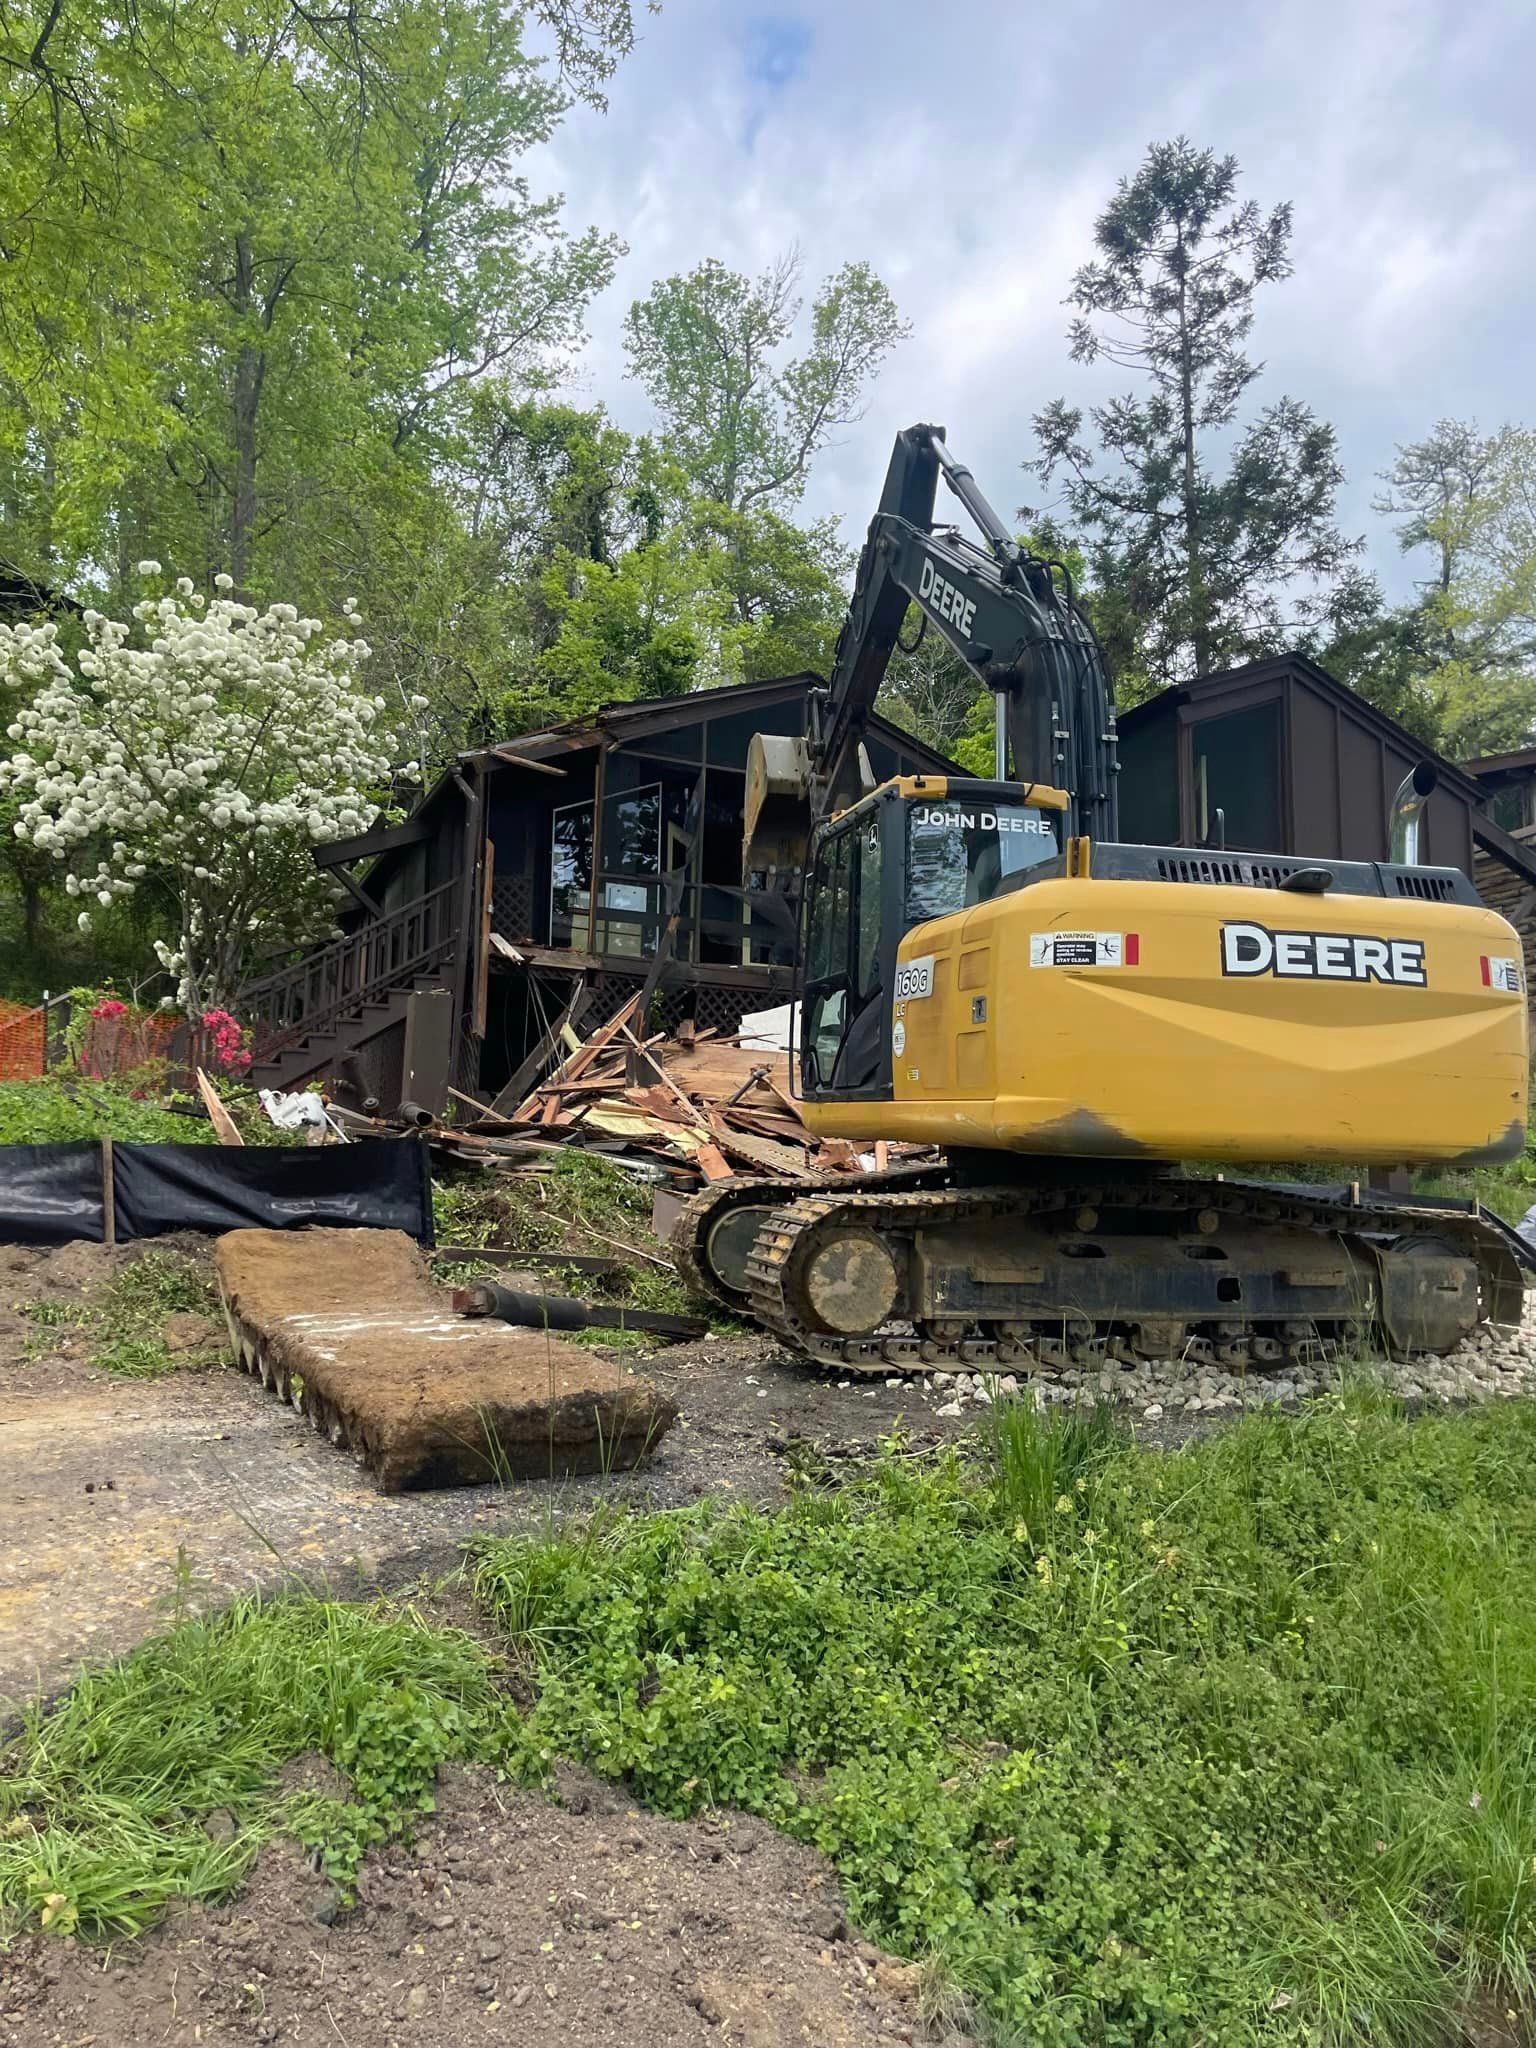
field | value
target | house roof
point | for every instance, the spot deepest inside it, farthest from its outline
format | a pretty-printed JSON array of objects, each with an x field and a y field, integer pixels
[
  {"x": 1494, "y": 764},
  {"x": 1318, "y": 679},
  {"x": 636, "y": 718},
  {"x": 631, "y": 717}
]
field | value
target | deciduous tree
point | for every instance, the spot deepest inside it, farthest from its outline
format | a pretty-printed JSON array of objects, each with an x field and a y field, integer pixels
[
  {"x": 1468, "y": 501},
  {"x": 743, "y": 423},
  {"x": 197, "y": 755}
]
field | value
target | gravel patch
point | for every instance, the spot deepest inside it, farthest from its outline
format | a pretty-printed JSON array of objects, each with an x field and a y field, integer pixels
[{"x": 1491, "y": 1365}]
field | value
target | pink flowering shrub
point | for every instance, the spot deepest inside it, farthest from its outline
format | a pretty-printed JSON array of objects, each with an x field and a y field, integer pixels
[{"x": 227, "y": 1049}]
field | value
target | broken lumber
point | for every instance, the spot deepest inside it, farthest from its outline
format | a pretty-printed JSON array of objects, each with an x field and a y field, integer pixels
[{"x": 218, "y": 1115}]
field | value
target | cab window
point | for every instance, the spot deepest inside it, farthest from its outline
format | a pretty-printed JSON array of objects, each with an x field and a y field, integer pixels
[
  {"x": 959, "y": 854},
  {"x": 843, "y": 996}
]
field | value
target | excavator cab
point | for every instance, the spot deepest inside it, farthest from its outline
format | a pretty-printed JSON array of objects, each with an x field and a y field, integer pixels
[{"x": 915, "y": 849}]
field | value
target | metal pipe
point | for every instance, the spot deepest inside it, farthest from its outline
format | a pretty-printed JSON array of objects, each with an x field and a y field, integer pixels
[{"x": 1413, "y": 793}]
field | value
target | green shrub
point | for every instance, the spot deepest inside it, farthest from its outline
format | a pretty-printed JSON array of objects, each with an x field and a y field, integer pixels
[
  {"x": 1228, "y": 1745},
  {"x": 58, "y": 1109}
]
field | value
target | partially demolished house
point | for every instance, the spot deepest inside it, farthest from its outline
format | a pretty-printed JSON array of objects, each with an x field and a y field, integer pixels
[{"x": 545, "y": 881}]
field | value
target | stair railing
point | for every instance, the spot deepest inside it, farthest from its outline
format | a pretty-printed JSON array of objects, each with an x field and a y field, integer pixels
[{"x": 332, "y": 984}]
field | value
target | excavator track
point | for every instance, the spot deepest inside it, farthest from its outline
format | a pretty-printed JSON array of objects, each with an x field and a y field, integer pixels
[
  {"x": 736, "y": 1209},
  {"x": 909, "y": 1273}
]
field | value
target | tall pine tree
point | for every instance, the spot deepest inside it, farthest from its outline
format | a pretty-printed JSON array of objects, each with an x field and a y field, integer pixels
[{"x": 1209, "y": 548}]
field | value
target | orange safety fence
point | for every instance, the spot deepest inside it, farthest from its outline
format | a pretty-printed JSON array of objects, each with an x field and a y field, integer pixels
[
  {"x": 23, "y": 1041},
  {"x": 118, "y": 1039}
]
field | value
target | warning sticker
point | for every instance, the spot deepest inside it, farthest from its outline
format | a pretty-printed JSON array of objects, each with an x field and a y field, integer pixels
[
  {"x": 1080, "y": 949},
  {"x": 1505, "y": 975}
]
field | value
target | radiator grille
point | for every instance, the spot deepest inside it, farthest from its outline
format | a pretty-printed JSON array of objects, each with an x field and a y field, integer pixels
[
  {"x": 1246, "y": 874},
  {"x": 1428, "y": 888}
]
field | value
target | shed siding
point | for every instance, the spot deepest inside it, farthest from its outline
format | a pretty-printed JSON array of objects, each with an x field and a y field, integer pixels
[{"x": 1316, "y": 811}]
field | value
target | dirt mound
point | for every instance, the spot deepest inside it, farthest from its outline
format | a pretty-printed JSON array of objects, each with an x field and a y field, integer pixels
[
  {"x": 348, "y": 1326},
  {"x": 587, "y": 1925}
]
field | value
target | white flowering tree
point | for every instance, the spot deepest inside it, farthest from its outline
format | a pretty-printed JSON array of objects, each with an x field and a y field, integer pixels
[{"x": 197, "y": 758}]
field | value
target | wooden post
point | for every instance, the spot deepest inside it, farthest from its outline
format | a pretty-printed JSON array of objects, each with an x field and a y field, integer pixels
[
  {"x": 108, "y": 1195},
  {"x": 599, "y": 797},
  {"x": 483, "y": 963}
]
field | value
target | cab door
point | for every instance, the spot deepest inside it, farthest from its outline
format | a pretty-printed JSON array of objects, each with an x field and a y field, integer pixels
[{"x": 845, "y": 1012}]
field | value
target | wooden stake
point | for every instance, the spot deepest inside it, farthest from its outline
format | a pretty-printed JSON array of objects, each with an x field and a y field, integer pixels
[{"x": 108, "y": 1195}]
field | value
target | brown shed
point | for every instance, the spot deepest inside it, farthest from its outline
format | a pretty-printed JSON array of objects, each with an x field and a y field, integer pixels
[
  {"x": 1293, "y": 762},
  {"x": 1278, "y": 757}
]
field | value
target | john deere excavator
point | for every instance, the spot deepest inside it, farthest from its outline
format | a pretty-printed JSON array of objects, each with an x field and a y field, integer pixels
[{"x": 984, "y": 967}]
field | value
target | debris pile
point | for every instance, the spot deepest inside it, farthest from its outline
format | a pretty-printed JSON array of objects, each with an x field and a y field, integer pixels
[{"x": 697, "y": 1107}]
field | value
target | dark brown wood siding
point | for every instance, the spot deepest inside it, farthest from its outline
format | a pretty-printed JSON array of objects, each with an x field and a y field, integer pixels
[{"x": 1339, "y": 766}]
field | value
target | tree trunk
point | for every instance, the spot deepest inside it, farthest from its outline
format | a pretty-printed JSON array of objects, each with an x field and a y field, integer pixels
[
  {"x": 250, "y": 371},
  {"x": 1199, "y": 622}
]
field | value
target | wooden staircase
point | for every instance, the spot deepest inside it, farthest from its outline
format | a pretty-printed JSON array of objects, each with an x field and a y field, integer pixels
[{"x": 308, "y": 1017}]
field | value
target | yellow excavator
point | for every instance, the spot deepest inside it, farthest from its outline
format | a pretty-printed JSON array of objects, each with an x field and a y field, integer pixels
[{"x": 984, "y": 967}]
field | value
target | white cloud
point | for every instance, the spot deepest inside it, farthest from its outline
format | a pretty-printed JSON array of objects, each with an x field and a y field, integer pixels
[{"x": 965, "y": 151}]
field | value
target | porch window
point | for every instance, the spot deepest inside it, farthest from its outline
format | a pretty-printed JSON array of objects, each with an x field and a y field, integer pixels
[
  {"x": 627, "y": 899},
  {"x": 631, "y": 857},
  {"x": 570, "y": 877}
]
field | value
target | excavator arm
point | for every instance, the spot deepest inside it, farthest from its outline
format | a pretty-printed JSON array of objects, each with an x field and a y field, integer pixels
[{"x": 1009, "y": 614}]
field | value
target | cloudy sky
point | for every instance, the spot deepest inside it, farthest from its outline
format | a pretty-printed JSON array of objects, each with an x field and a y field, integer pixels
[{"x": 965, "y": 149}]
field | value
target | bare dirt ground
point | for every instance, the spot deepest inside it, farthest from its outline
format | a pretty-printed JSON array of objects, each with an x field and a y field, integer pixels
[
  {"x": 588, "y": 1924},
  {"x": 105, "y": 1483}
]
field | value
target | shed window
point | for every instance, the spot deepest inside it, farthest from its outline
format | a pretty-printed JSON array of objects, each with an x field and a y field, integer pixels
[
  {"x": 1511, "y": 806},
  {"x": 1236, "y": 763}
]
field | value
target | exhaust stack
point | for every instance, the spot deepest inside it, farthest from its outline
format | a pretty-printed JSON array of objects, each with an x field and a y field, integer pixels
[{"x": 1413, "y": 793}]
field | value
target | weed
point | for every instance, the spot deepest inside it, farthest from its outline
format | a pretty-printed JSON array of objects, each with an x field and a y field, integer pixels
[
  {"x": 1040, "y": 1456},
  {"x": 50, "y": 1314},
  {"x": 612, "y": 1340},
  {"x": 131, "y": 1309}
]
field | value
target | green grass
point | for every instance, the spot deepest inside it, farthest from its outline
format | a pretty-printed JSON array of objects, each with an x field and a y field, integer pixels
[
  {"x": 126, "y": 1316},
  {"x": 102, "y": 1802},
  {"x": 1231, "y": 1745},
  {"x": 1226, "y": 1745},
  {"x": 56, "y": 1110},
  {"x": 133, "y": 1306}
]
